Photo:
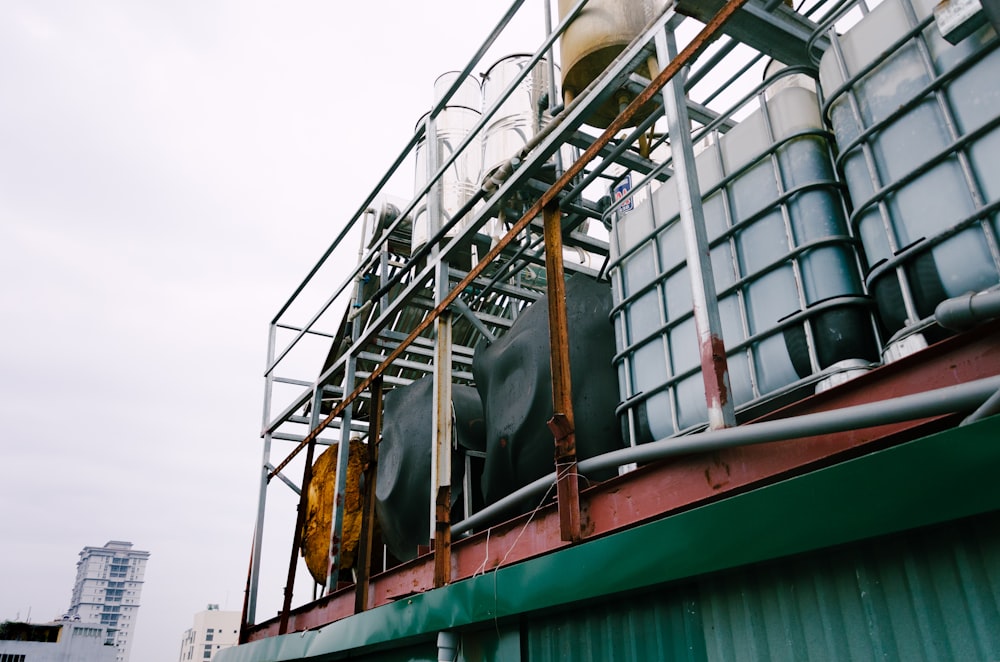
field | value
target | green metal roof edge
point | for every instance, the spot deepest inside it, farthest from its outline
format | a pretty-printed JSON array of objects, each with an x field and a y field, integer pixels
[{"x": 937, "y": 478}]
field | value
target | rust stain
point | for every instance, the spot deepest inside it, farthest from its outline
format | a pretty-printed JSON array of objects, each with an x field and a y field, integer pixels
[
  {"x": 713, "y": 353},
  {"x": 717, "y": 474}
]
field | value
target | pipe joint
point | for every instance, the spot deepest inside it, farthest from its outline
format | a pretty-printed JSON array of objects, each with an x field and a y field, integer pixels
[{"x": 447, "y": 643}]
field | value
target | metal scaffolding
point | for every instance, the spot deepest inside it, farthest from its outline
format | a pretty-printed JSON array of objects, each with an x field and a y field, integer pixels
[{"x": 405, "y": 311}]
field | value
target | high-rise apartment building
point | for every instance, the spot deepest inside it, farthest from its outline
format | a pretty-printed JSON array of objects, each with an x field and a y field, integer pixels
[
  {"x": 107, "y": 590},
  {"x": 212, "y": 631}
]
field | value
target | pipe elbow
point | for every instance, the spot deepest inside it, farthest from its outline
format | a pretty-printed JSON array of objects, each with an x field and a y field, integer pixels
[{"x": 965, "y": 312}]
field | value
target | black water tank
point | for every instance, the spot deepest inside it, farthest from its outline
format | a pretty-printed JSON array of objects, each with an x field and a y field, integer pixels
[
  {"x": 402, "y": 489},
  {"x": 513, "y": 376}
]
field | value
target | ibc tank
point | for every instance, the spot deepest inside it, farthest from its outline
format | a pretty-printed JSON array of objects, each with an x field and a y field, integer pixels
[
  {"x": 515, "y": 382},
  {"x": 918, "y": 134},
  {"x": 602, "y": 30},
  {"x": 402, "y": 489},
  {"x": 791, "y": 301},
  {"x": 452, "y": 125}
]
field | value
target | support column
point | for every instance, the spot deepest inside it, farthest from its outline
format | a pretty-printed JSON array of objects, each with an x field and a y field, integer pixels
[
  {"x": 343, "y": 455},
  {"x": 441, "y": 460},
  {"x": 368, "y": 500},
  {"x": 708, "y": 325},
  {"x": 440, "y": 506},
  {"x": 253, "y": 578},
  {"x": 561, "y": 424},
  {"x": 300, "y": 517}
]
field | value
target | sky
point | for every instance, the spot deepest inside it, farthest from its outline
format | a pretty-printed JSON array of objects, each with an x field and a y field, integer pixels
[{"x": 169, "y": 172}]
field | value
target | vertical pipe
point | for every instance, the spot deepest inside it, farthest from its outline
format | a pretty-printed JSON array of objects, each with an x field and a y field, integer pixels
[
  {"x": 708, "y": 325},
  {"x": 447, "y": 643},
  {"x": 561, "y": 424},
  {"x": 368, "y": 504},
  {"x": 553, "y": 86}
]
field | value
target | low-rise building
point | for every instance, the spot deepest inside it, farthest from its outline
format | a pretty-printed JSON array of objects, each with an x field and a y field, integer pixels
[
  {"x": 212, "y": 631},
  {"x": 60, "y": 641}
]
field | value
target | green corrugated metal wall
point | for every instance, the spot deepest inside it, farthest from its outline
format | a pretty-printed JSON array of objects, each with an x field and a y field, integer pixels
[
  {"x": 695, "y": 585},
  {"x": 932, "y": 594}
]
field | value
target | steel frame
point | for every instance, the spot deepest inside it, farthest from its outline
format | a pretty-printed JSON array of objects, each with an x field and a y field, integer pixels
[{"x": 400, "y": 323}]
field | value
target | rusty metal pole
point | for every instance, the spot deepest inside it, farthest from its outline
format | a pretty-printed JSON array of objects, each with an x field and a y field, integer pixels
[
  {"x": 300, "y": 520},
  {"x": 244, "y": 615},
  {"x": 441, "y": 457},
  {"x": 561, "y": 424},
  {"x": 368, "y": 505}
]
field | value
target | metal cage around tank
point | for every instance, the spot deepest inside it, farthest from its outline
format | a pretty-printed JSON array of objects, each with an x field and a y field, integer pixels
[
  {"x": 917, "y": 122},
  {"x": 786, "y": 273}
]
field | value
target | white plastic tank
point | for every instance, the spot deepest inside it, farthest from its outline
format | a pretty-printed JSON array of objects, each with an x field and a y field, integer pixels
[
  {"x": 793, "y": 309},
  {"x": 461, "y": 180},
  {"x": 918, "y": 130}
]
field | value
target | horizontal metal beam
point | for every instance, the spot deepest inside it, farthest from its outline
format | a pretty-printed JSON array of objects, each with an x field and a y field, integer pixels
[{"x": 782, "y": 32}]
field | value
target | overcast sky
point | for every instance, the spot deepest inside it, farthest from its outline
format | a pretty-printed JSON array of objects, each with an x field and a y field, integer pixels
[{"x": 169, "y": 172}]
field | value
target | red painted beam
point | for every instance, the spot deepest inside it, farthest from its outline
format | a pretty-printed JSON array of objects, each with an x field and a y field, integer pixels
[{"x": 682, "y": 483}]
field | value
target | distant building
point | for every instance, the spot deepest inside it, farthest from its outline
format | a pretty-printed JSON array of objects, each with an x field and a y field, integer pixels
[
  {"x": 212, "y": 631},
  {"x": 59, "y": 641},
  {"x": 107, "y": 591}
]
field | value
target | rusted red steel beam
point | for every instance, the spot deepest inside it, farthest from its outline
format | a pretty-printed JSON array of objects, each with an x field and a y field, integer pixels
[
  {"x": 442, "y": 536},
  {"x": 368, "y": 503},
  {"x": 244, "y": 614},
  {"x": 561, "y": 424},
  {"x": 701, "y": 40},
  {"x": 685, "y": 482},
  {"x": 300, "y": 520}
]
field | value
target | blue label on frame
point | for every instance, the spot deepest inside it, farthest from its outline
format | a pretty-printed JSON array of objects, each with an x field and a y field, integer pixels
[{"x": 621, "y": 190}]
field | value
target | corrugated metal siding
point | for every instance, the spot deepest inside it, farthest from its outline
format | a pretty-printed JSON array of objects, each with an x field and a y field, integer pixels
[
  {"x": 425, "y": 651},
  {"x": 661, "y": 626},
  {"x": 929, "y": 595}
]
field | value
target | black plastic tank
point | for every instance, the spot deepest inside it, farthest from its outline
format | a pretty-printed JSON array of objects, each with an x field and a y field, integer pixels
[
  {"x": 402, "y": 489},
  {"x": 513, "y": 376}
]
